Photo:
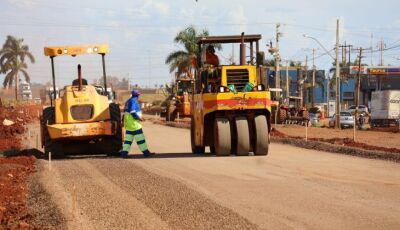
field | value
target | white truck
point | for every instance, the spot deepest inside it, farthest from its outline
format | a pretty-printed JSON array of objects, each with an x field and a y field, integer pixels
[
  {"x": 26, "y": 92},
  {"x": 385, "y": 107}
]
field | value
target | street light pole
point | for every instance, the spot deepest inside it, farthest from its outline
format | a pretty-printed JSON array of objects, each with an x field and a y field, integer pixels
[
  {"x": 313, "y": 79},
  {"x": 277, "y": 67},
  {"x": 287, "y": 82},
  {"x": 337, "y": 75},
  {"x": 337, "y": 71}
]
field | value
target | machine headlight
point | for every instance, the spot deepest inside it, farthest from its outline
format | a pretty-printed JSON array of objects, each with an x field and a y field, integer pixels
[
  {"x": 221, "y": 89},
  {"x": 65, "y": 51},
  {"x": 95, "y": 49},
  {"x": 259, "y": 87},
  {"x": 90, "y": 50}
]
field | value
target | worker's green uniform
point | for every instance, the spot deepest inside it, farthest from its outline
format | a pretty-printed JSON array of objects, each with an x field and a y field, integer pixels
[{"x": 132, "y": 116}]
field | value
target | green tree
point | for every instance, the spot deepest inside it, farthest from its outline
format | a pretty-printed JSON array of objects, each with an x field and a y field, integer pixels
[
  {"x": 12, "y": 62},
  {"x": 181, "y": 60}
]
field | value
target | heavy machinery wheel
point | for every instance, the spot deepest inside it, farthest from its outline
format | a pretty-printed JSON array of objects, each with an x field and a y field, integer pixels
[
  {"x": 242, "y": 136},
  {"x": 282, "y": 115},
  {"x": 48, "y": 145},
  {"x": 261, "y": 135},
  {"x": 170, "y": 113},
  {"x": 306, "y": 115},
  {"x": 195, "y": 149},
  {"x": 115, "y": 143},
  {"x": 212, "y": 149},
  {"x": 222, "y": 137}
]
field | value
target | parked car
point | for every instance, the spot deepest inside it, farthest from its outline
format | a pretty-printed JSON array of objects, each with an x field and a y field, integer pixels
[
  {"x": 362, "y": 109},
  {"x": 346, "y": 120}
]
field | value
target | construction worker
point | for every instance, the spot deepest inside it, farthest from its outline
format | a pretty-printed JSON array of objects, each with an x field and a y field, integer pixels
[
  {"x": 132, "y": 119},
  {"x": 211, "y": 57}
]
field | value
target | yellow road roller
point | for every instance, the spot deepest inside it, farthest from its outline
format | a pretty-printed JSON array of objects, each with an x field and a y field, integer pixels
[
  {"x": 231, "y": 105},
  {"x": 80, "y": 120}
]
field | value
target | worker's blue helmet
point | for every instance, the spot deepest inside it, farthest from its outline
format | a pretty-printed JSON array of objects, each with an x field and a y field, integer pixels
[{"x": 135, "y": 93}]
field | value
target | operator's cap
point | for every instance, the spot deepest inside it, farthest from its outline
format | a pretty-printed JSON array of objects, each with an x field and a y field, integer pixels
[{"x": 135, "y": 92}]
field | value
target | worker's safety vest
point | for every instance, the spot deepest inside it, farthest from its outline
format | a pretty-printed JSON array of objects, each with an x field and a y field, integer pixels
[{"x": 130, "y": 123}]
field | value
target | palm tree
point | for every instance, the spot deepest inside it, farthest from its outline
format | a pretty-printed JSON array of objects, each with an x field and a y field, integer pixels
[
  {"x": 181, "y": 60},
  {"x": 12, "y": 62}
]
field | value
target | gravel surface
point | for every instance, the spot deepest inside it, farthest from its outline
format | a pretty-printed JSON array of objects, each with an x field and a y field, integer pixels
[
  {"x": 291, "y": 188},
  {"x": 118, "y": 194},
  {"x": 178, "y": 205},
  {"x": 42, "y": 208}
]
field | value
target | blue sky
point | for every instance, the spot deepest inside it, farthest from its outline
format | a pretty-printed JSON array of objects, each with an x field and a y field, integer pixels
[{"x": 141, "y": 33}]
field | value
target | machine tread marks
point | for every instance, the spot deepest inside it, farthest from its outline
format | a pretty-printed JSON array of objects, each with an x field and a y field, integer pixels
[
  {"x": 116, "y": 141},
  {"x": 261, "y": 135},
  {"x": 222, "y": 137},
  {"x": 195, "y": 149},
  {"x": 50, "y": 146},
  {"x": 242, "y": 136}
]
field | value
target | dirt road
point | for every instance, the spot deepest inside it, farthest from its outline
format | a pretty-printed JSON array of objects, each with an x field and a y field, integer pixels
[{"x": 291, "y": 188}]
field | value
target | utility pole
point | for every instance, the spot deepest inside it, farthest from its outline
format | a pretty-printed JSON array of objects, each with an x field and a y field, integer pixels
[
  {"x": 381, "y": 48},
  {"x": 337, "y": 73},
  {"x": 287, "y": 82},
  {"x": 372, "y": 50},
  {"x": 313, "y": 79},
  {"x": 358, "y": 80},
  {"x": 350, "y": 46},
  {"x": 358, "y": 88},
  {"x": 304, "y": 80},
  {"x": 277, "y": 59},
  {"x": 344, "y": 54}
]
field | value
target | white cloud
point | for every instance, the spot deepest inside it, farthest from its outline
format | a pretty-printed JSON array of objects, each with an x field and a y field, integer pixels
[
  {"x": 239, "y": 17},
  {"x": 23, "y": 3},
  {"x": 161, "y": 7}
]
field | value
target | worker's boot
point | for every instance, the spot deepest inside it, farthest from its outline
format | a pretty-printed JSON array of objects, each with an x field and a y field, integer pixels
[
  {"x": 147, "y": 153},
  {"x": 124, "y": 154}
]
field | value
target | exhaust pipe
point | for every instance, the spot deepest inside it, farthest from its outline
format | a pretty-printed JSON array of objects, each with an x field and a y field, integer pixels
[
  {"x": 242, "y": 51},
  {"x": 79, "y": 77}
]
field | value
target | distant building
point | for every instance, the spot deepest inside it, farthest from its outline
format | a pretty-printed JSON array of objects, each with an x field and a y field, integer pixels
[
  {"x": 373, "y": 78},
  {"x": 296, "y": 76}
]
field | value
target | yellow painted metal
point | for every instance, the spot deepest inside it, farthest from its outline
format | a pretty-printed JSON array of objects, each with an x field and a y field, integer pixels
[
  {"x": 80, "y": 131},
  {"x": 87, "y": 96},
  {"x": 206, "y": 103},
  {"x": 75, "y": 50},
  {"x": 252, "y": 73},
  {"x": 236, "y": 101}
]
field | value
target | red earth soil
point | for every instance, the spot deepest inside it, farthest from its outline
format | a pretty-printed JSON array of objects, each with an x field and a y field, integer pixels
[
  {"x": 339, "y": 141},
  {"x": 14, "y": 172},
  {"x": 20, "y": 116}
]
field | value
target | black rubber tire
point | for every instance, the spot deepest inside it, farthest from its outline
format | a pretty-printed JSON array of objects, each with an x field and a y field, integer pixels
[
  {"x": 115, "y": 143},
  {"x": 242, "y": 137},
  {"x": 170, "y": 113},
  {"x": 282, "y": 116},
  {"x": 195, "y": 149},
  {"x": 222, "y": 137},
  {"x": 49, "y": 145},
  {"x": 261, "y": 144},
  {"x": 212, "y": 150}
]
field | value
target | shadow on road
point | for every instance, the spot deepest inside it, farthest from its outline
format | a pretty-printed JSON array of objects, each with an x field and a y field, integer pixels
[{"x": 40, "y": 155}]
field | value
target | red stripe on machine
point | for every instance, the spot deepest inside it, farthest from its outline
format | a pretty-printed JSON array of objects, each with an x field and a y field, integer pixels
[{"x": 237, "y": 102}]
